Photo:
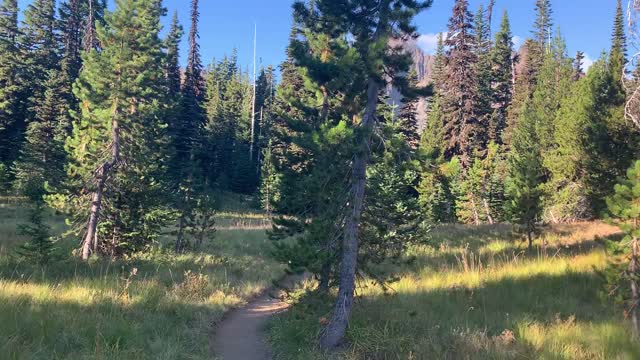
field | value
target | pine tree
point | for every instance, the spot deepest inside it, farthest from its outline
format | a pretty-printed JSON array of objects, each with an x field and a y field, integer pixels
[
  {"x": 172, "y": 45},
  {"x": 613, "y": 139},
  {"x": 408, "y": 117},
  {"x": 567, "y": 188},
  {"x": 525, "y": 177},
  {"x": 482, "y": 50},
  {"x": 464, "y": 131},
  {"x": 439, "y": 64},
  {"x": 42, "y": 157},
  {"x": 117, "y": 150},
  {"x": 94, "y": 11},
  {"x": 618, "y": 54},
  {"x": 543, "y": 24},
  {"x": 537, "y": 50},
  {"x": 392, "y": 219},
  {"x": 624, "y": 267},
  {"x": 188, "y": 133},
  {"x": 482, "y": 192},
  {"x": 11, "y": 114},
  {"x": 501, "y": 66},
  {"x": 553, "y": 84},
  {"x": 40, "y": 246},
  {"x": 371, "y": 25},
  {"x": 39, "y": 48},
  {"x": 269, "y": 182}
]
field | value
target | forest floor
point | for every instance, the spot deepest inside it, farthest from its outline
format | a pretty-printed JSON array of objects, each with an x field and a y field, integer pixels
[
  {"x": 156, "y": 305},
  {"x": 477, "y": 293}
]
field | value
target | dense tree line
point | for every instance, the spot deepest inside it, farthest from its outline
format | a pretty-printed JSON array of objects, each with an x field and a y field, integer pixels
[{"x": 99, "y": 119}]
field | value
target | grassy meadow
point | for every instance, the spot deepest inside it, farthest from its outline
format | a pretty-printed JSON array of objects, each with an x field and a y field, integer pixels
[
  {"x": 150, "y": 306},
  {"x": 477, "y": 293}
]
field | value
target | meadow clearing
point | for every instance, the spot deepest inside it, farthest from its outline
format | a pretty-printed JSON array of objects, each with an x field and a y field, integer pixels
[
  {"x": 156, "y": 305},
  {"x": 478, "y": 293}
]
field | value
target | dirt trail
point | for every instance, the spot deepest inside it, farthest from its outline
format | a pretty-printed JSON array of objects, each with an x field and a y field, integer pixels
[{"x": 239, "y": 336}]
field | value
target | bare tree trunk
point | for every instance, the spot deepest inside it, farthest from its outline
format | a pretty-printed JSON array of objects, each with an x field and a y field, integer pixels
[
  {"x": 255, "y": 84},
  {"x": 90, "y": 241},
  {"x": 325, "y": 277},
  {"x": 335, "y": 331},
  {"x": 180, "y": 236},
  {"x": 476, "y": 217},
  {"x": 635, "y": 296},
  {"x": 487, "y": 210}
]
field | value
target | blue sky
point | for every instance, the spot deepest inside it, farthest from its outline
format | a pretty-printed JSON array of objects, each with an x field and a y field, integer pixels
[{"x": 226, "y": 24}]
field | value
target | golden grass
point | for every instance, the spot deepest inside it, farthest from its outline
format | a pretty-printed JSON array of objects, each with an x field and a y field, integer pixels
[
  {"x": 150, "y": 306},
  {"x": 477, "y": 293}
]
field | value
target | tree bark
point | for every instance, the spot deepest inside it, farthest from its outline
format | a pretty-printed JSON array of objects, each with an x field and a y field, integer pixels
[
  {"x": 635, "y": 296},
  {"x": 335, "y": 330},
  {"x": 487, "y": 210},
  {"x": 180, "y": 235},
  {"x": 90, "y": 242}
]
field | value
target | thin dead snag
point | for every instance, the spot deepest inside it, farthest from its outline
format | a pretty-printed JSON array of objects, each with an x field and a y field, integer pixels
[{"x": 632, "y": 107}]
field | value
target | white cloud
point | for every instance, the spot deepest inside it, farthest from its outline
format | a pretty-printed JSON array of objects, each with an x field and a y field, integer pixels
[
  {"x": 517, "y": 41},
  {"x": 587, "y": 62},
  {"x": 429, "y": 42}
]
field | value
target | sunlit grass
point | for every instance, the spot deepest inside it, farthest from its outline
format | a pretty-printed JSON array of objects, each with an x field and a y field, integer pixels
[
  {"x": 150, "y": 306},
  {"x": 478, "y": 293}
]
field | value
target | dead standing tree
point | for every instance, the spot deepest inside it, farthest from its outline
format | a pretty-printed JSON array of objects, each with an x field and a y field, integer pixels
[{"x": 632, "y": 108}]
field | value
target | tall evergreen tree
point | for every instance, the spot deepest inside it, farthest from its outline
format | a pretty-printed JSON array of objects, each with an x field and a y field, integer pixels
[
  {"x": 39, "y": 48},
  {"x": 482, "y": 50},
  {"x": 543, "y": 25},
  {"x": 42, "y": 157},
  {"x": 464, "y": 131},
  {"x": 501, "y": 66},
  {"x": 618, "y": 54},
  {"x": 408, "y": 117},
  {"x": 439, "y": 64},
  {"x": 553, "y": 83},
  {"x": 117, "y": 149},
  {"x": 172, "y": 45},
  {"x": 371, "y": 24},
  {"x": 624, "y": 265},
  {"x": 525, "y": 171},
  {"x": 11, "y": 115}
]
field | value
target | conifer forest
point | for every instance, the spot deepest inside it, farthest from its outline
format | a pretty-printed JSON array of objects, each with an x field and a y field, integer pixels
[{"x": 365, "y": 198}]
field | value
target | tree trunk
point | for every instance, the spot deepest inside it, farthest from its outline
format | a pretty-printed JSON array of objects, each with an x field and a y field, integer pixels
[
  {"x": 90, "y": 241},
  {"x": 180, "y": 236},
  {"x": 530, "y": 235},
  {"x": 335, "y": 331},
  {"x": 325, "y": 277},
  {"x": 487, "y": 210},
  {"x": 635, "y": 297}
]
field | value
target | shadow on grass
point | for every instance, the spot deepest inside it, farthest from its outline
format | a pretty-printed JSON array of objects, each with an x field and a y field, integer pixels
[
  {"x": 153, "y": 328},
  {"x": 544, "y": 316},
  {"x": 232, "y": 255}
]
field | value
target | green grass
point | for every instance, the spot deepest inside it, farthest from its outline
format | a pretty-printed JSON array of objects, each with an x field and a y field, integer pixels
[
  {"x": 149, "y": 306},
  {"x": 477, "y": 293}
]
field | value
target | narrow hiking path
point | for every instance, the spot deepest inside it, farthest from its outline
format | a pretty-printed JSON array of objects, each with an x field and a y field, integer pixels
[{"x": 239, "y": 336}]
